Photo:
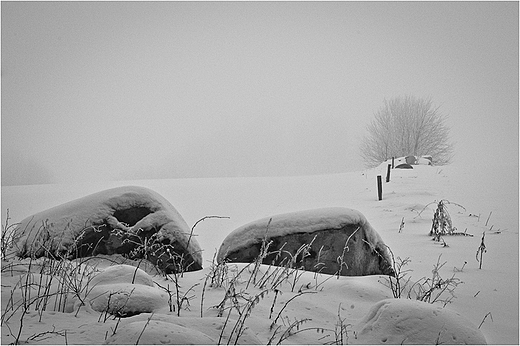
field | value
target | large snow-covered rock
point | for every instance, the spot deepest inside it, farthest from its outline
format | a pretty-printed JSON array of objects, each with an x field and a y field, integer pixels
[
  {"x": 338, "y": 240},
  {"x": 405, "y": 321},
  {"x": 130, "y": 220}
]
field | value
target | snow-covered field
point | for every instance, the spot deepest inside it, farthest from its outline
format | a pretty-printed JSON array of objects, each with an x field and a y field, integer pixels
[{"x": 487, "y": 298}]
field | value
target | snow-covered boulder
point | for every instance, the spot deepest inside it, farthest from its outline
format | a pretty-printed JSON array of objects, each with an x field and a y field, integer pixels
[
  {"x": 404, "y": 166},
  {"x": 123, "y": 290},
  {"x": 424, "y": 160},
  {"x": 328, "y": 240},
  {"x": 405, "y": 321},
  {"x": 133, "y": 221},
  {"x": 409, "y": 160}
]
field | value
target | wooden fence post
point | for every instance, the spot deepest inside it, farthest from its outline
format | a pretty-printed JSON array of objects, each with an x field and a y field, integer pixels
[
  {"x": 379, "y": 188},
  {"x": 393, "y": 162},
  {"x": 388, "y": 173}
]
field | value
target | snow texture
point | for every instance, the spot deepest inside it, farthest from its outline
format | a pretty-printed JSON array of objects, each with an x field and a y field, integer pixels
[
  {"x": 55, "y": 230},
  {"x": 405, "y": 321},
  {"x": 488, "y": 298},
  {"x": 306, "y": 221}
]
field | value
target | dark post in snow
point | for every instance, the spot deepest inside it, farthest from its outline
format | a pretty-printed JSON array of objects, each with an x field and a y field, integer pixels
[
  {"x": 379, "y": 188},
  {"x": 393, "y": 162},
  {"x": 388, "y": 174}
]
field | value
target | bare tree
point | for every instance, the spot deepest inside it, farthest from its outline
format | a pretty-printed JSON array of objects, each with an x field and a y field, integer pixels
[{"x": 407, "y": 126}]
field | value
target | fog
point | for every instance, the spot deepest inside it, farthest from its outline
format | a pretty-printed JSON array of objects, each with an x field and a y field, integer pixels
[{"x": 98, "y": 91}]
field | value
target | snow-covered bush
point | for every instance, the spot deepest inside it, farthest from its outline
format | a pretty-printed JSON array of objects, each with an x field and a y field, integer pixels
[
  {"x": 432, "y": 289},
  {"x": 441, "y": 222}
]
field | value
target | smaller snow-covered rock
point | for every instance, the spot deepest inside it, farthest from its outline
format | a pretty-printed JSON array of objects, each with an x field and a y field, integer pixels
[
  {"x": 424, "y": 160},
  {"x": 124, "y": 290},
  {"x": 327, "y": 240},
  {"x": 408, "y": 160},
  {"x": 405, "y": 321}
]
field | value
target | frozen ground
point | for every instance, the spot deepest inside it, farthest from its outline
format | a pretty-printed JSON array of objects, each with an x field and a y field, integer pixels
[{"x": 488, "y": 297}]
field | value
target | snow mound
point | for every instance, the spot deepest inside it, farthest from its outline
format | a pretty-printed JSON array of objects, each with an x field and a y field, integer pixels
[
  {"x": 172, "y": 330},
  {"x": 127, "y": 299},
  {"x": 122, "y": 274},
  {"x": 113, "y": 221},
  {"x": 124, "y": 290},
  {"x": 405, "y": 321},
  {"x": 157, "y": 333}
]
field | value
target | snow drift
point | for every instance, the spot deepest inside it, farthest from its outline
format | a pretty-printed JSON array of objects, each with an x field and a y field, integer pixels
[
  {"x": 405, "y": 321},
  {"x": 163, "y": 329}
]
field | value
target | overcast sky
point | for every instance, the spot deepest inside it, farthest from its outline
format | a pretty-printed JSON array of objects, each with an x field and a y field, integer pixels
[{"x": 139, "y": 90}]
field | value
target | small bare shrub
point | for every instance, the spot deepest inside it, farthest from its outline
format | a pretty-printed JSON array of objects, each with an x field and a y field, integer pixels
[
  {"x": 401, "y": 226},
  {"x": 427, "y": 289},
  {"x": 441, "y": 222},
  {"x": 292, "y": 329},
  {"x": 435, "y": 288},
  {"x": 243, "y": 303},
  {"x": 182, "y": 299},
  {"x": 481, "y": 250},
  {"x": 398, "y": 283},
  {"x": 7, "y": 237},
  {"x": 488, "y": 314},
  {"x": 340, "y": 260}
]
